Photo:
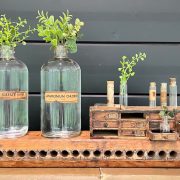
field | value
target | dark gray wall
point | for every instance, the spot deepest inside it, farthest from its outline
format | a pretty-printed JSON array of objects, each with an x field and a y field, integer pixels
[{"x": 112, "y": 29}]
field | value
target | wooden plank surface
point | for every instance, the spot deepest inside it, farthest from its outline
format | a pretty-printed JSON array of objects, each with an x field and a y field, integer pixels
[
  {"x": 140, "y": 174},
  {"x": 90, "y": 173},
  {"x": 34, "y": 150},
  {"x": 49, "y": 173}
]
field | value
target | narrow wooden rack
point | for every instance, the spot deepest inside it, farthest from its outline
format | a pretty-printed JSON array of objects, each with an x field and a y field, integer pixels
[{"x": 33, "y": 150}]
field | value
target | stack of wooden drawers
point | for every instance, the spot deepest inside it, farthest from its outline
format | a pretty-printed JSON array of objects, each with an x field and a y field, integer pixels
[{"x": 133, "y": 121}]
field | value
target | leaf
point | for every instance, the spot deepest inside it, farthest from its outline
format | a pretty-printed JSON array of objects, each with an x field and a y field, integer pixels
[
  {"x": 23, "y": 43},
  {"x": 60, "y": 29},
  {"x": 132, "y": 74},
  {"x": 71, "y": 45},
  {"x": 54, "y": 42},
  {"x": 124, "y": 57}
]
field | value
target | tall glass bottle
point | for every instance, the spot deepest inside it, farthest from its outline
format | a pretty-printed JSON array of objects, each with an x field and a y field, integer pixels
[
  {"x": 13, "y": 95},
  {"x": 61, "y": 96},
  {"x": 172, "y": 92}
]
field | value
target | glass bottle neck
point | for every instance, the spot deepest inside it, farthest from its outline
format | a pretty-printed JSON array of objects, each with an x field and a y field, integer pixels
[
  {"x": 60, "y": 52},
  {"x": 6, "y": 52}
]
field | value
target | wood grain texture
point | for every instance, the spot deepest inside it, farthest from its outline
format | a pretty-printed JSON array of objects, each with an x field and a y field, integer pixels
[
  {"x": 90, "y": 173},
  {"x": 131, "y": 121},
  {"x": 35, "y": 151}
]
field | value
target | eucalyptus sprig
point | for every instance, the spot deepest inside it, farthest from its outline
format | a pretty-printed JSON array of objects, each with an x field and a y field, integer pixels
[
  {"x": 127, "y": 65},
  {"x": 59, "y": 31},
  {"x": 12, "y": 33},
  {"x": 166, "y": 112}
]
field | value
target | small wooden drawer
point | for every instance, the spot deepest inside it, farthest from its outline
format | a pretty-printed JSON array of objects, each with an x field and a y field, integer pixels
[
  {"x": 133, "y": 133},
  {"x": 154, "y": 116},
  {"x": 155, "y": 124},
  {"x": 105, "y": 124},
  {"x": 135, "y": 124},
  {"x": 173, "y": 136},
  {"x": 108, "y": 115}
]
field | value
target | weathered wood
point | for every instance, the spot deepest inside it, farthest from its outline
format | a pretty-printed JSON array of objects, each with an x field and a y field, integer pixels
[
  {"x": 34, "y": 150},
  {"x": 172, "y": 136},
  {"x": 131, "y": 121},
  {"x": 155, "y": 124}
]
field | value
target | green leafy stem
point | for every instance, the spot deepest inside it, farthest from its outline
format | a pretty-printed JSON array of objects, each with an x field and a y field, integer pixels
[
  {"x": 166, "y": 112},
  {"x": 59, "y": 31},
  {"x": 127, "y": 65},
  {"x": 13, "y": 33}
]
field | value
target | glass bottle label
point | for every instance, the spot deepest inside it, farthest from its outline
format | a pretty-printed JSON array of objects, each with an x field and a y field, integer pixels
[
  {"x": 164, "y": 97},
  {"x": 152, "y": 95},
  {"x": 61, "y": 96},
  {"x": 13, "y": 95}
]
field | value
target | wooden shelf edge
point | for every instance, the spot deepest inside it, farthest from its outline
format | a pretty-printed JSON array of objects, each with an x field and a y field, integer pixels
[{"x": 33, "y": 150}]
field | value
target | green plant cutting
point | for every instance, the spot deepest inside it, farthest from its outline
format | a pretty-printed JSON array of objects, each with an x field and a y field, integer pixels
[
  {"x": 127, "y": 66},
  {"x": 59, "y": 31},
  {"x": 165, "y": 112},
  {"x": 13, "y": 33}
]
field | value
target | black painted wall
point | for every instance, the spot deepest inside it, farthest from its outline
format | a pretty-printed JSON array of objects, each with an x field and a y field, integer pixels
[{"x": 112, "y": 29}]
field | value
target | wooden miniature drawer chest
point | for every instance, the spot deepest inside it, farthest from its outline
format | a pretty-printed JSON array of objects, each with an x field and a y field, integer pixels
[{"x": 132, "y": 121}]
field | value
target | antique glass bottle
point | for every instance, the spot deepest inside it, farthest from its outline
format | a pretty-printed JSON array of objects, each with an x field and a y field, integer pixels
[
  {"x": 61, "y": 96},
  {"x": 13, "y": 95},
  {"x": 152, "y": 94},
  {"x": 123, "y": 96},
  {"x": 164, "y": 125},
  {"x": 172, "y": 92}
]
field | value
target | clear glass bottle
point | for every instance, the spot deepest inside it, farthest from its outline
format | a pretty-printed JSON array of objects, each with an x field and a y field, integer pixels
[
  {"x": 152, "y": 94},
  {"x": 164, "y": 125},
  {"x": 13, "y": 95},
  {"x": 172, "y": 92},
  {"x": 123, "y": 97},
  {"x": 163, "y": 97},
  {"x": 61, "y": 96}
]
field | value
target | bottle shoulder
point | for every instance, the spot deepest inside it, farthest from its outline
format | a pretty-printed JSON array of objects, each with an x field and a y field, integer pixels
[
  {"x": 14, "y": 63},
  {"x": 61, "y": 64}
]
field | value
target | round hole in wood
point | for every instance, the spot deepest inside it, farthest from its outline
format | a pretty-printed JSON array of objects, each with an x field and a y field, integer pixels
[
  {"x": 32, "y": 153},
  {"x": 129, "y": 153},
  {"x": 10, "y": 153},
  {"x": 173, "y": 154},
  {"x": 162, "y": 154},
  {"x": 151, "y": 154},
  {"x": 97, "y": 153},
  {"x": 1, "y": 154},
  {"x": 43, "y": 153},
  {"x": 86, "y": 153},
  {"x": 140, "y": 153},
  {"x": 75, "y": 153},
  {"x": 21, "y": 153},
  {"x": 107, "y": 153},
  {"x": 53, "y": 153},
  {"x": 118, "y": 153},
  {"x": 64, "y": 153}
]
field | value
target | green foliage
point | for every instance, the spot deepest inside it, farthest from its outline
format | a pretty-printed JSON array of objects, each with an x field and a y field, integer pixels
[
  {"x": 59, "y": 31},
  {"x": 127, "y": 65},
  {"x": 166, "y": 112},
  {"x": 11, "y": 32}
]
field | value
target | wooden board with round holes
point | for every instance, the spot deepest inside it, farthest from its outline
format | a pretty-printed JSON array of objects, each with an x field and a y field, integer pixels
[{"x": 33, "y": 150}]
